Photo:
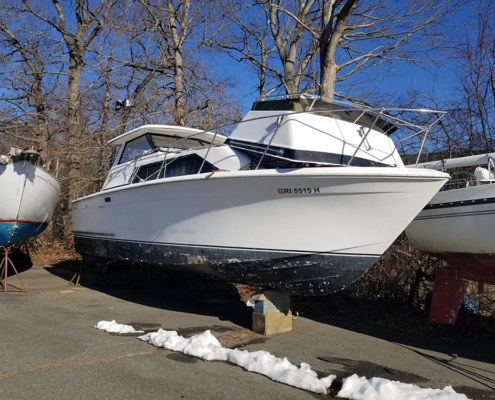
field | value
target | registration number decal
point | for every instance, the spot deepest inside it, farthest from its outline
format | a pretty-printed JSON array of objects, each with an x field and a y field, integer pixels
[{"x": 298, "y": 190}]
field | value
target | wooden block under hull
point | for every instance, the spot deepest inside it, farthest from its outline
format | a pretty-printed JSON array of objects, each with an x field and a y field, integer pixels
[{"x": 272, "y": 323}]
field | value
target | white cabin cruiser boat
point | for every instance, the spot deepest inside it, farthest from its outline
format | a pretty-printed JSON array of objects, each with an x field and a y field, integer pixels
[
  {"x": 304, "y": 195},
  {"x": 28, "y": 196}
]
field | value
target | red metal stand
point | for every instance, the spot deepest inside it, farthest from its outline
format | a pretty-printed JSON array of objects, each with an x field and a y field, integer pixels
[
  {"x": 448, "y": 293},
  {"x": 451, "y": 282}
]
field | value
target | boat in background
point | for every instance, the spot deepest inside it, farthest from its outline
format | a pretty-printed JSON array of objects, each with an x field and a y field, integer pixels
[
  {"x": 304, "y": 195},
  {"x": 28, "y": 195},
  {"x": 458, "y": 227}
]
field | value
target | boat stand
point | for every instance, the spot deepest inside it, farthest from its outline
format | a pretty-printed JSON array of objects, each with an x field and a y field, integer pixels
[
  {"x": 451, "y": 283},
  {"x": 272, "y": 313},
  {"x": 80, "y": 275},
  {"x": 4, "y": 268}
]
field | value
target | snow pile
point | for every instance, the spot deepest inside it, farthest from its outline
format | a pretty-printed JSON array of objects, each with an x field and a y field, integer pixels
[
  {"x": 357, "y": 388},
  {"x": 113, "y": 327},
  {"x": 207, "y": 347}
]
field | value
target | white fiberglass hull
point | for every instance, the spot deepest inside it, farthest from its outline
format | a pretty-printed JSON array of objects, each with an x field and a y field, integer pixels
[
  {"x": 458, "y": 226},
  {"x": 28, "y": 195},
  {"x": 311, "y": 230}
]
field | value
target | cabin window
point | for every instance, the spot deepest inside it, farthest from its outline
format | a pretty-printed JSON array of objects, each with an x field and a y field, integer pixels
[
  {"x": 179, "y": 166},
  {"x": 147, "y": 172},
  {"x": 187, "y": 166},
  {"x": 135, "y": 149}
]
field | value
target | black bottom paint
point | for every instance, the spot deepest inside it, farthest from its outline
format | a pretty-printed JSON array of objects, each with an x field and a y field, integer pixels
[{"x": 304, "y": 274}]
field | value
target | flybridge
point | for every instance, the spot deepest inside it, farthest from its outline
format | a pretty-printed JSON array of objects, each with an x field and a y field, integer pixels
[
  {"x": 321, "y": 106},
  {"x": 303, "y": 130}
]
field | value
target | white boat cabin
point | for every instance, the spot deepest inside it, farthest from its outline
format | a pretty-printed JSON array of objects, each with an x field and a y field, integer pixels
[
  {"x": 162, "y": 151},
  {"x": 294, "y": 132}
]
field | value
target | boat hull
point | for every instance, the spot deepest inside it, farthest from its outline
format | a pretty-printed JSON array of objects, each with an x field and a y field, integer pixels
[
  {"x": 311, "y": 231},
  {"x": 458, "y": 227},
  {"x": 303, "y": 273},
  {"x": 460, "y": 221},
  {"x": 28, "y": 197}
]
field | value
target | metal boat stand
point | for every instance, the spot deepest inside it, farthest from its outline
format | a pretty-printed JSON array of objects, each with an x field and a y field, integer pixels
[
  {"x": 80, "y": 275},
  {"x": 4, "y": 264},
  {"x": 451, "y": 283}
]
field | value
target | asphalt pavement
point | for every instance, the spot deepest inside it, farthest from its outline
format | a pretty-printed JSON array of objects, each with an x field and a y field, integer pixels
[{"x": 50, "y": 350}]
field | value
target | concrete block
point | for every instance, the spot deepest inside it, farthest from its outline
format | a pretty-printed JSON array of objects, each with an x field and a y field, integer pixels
[{"x": 272, "y": 323}]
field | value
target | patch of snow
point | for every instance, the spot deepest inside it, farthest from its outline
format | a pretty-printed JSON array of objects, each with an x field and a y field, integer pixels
[
  {"x": 113, "y": 327},
  {"x": 207, "y": 347},
  {"x": 360, "y": 388}
]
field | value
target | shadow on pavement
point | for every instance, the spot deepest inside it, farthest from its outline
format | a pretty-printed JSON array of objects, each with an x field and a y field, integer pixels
[{"x": 186, "y": 294}]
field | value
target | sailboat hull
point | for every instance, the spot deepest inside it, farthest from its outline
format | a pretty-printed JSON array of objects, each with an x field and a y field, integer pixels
[{"x": 28, "y": 197}]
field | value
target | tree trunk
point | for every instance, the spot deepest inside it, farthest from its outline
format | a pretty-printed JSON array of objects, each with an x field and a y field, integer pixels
[
  {"x": 180, "y": 117},
  {"x": 333, "y": 24},
  {"x": 328, "y": 75}
]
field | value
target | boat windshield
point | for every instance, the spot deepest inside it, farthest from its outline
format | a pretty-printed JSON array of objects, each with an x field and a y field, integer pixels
[
  {"x": 135, "y": 149},
  {"x": 140, "y": 146}
]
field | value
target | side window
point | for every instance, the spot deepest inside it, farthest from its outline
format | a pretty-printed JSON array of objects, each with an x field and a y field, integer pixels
[
  {"x": 135, "y": 149},
  {"x": 187, "y": 166},
  {"x": 179, "y": 166},
  {"x": 147, "y": 173}
]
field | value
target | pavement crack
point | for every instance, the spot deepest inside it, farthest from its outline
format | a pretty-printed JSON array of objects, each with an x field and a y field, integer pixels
[
  {"x": 52, "y": 365},
  {"x": 143, "y": 353}
]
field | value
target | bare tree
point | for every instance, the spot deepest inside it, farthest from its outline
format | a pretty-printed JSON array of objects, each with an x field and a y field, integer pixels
[
  {"x": 344, "y": 36},
  {"x": 29, "y": 88},
  {"x": 264, "y": 34},
  {"x": 176, "y": 24},
  {"x": 89, "y": 21}
]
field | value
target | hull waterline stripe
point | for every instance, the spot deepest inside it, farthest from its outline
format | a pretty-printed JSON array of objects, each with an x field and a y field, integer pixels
[
  {"x": 83, "y": 235},
  {"x": 462, "y": 203},
  {"x": 92, "y": 233},
  {"x": 21, "y": 221},
  {"x": 460, "y": 214}
]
